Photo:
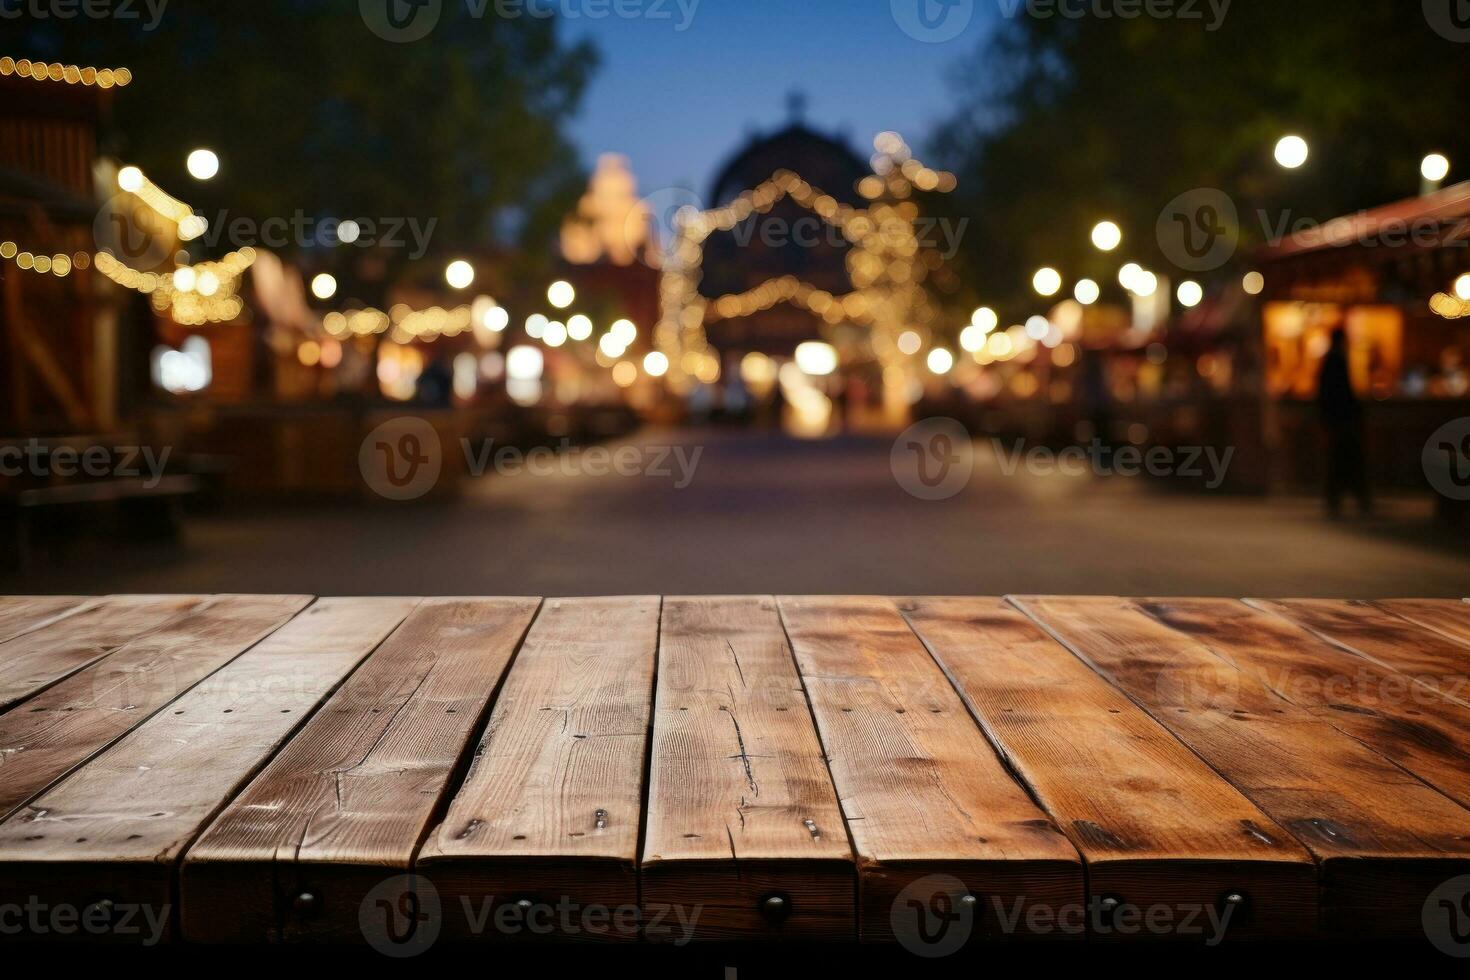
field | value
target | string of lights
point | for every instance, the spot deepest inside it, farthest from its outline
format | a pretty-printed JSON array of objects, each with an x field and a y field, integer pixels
[
  {"x": 69, "y": 74},
  {"x": 59, "y": 265},
  {"x": 885, "y": 265}
]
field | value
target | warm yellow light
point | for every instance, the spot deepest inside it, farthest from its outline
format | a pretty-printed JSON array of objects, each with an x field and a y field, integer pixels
[
  {"x": 1435, "y": 168},
  {"x": 909, "y": 343},
  {"x": 555, "y": 334},
  {"x": 192, "y": 226},
  {"x": 624, "y": 332},
  {"x": 1129, "y": 274},
  {"x": 1292, "y": 152},
  {"x": 185, "y": 279},
  {"x": 757, "y": 370},
  {"x": 561, "y": 294},
  {"x": 611, "y": 346},
  {"x": 524, "y": 363},
  {"x": 348, "y": 231},
  {"x": 816, "y": 359},
  {"x": 130, "y": 179},
  {"x": 940, "y": 361},
  {"x": 1047, "y": 281},
  {"x": 1254, "y": 283},
  {"x": 579, "y": 327},
  {"x": 624, "y": 374},
  {"x": 324, "y": 286},
  {"x": 656, "y": 364},
  {"x": 459, "y": 274},
  {"x": 985, "y": 319},
  {"x": 1190, "y": 293},
  {"x": 203, "y": 164},
  {"x": 972, "y": 338},
  {"x": 1087, "y": 292},
  {"x": 1462, "y": 287},
  {"x": 1146, "y": 284},
  {"x": 1107, "y": 236},
  {"x": 496, "y": 319}
]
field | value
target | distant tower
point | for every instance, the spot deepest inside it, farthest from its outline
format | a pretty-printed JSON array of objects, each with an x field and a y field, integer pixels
[{"x": 611, "y": 223}]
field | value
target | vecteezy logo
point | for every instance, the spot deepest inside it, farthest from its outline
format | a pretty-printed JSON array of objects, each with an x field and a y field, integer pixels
[
  {"x": 934, "y": 916},
  {"x": 1199, "y": 230},
  {"x": 120, "y": 230},
  {"x": 401, "y": 459},
  {"x": 401, "y": 21},
  {"x": 933, "y": 21},
  {"x": 1447, "y": 917},
  {"x": 1447, "y": 460},
  {"x": 933, "y": 460},
  {"x": 1449, "y": 18},
  {"x": 401, "y": 917}
]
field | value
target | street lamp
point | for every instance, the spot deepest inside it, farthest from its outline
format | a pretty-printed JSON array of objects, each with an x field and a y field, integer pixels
[
  {"x": 656, "y": 364},
  {"x": 561, "y": 294},
  {"x": 459, "y": 274},
  {"x": 1106, "y": 235},
  {"x": 1434, "y": 169},
  {"x": 203, "y": 164},
  {"x": 324, "y": 286},
  {"x": 1292, "y": 152},
  {"x": 1047, "y": 281}
]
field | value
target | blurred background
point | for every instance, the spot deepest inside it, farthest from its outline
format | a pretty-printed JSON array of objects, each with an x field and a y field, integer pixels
[{"x": 889, "y": 296}]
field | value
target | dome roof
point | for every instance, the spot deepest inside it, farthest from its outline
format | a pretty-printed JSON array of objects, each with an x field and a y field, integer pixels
[{"x": 820, "y": 160}]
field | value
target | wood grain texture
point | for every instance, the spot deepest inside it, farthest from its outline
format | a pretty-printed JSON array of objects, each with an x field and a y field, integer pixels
[
  {"x": 64, "y": 726},
  {"x": 549, "y": 813},
  {"x": 1154, "y": 824},
  {"x": 1383, "y": 839},
  {"x": 115, "y": 829},
  {"x": 1391, "y": 641},
  {"x": 22, "y": 614},
  {"x": 34, "y": 661},
  {"x": 346, "y": 804},
  {"x": 741, "y": 808},
  {"x": 933, "y": 814},
  {"x": 1415, "y": 726},
  {"x": 1450, "y": 617}
]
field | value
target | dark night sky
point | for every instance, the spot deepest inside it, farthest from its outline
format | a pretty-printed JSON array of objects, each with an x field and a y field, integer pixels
[{"x": 677, "y": 102}]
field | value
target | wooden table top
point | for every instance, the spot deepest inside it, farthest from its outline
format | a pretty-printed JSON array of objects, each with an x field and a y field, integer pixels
[{"x": 403, "y": 771}]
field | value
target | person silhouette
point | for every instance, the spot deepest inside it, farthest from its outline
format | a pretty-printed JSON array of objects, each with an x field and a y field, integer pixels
[{"x": 1342, "y": 424}]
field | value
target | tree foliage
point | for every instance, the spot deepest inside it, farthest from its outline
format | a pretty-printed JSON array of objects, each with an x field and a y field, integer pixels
[
  {"x": 1065, "y": 122},
  {"x": 312, "y": 112}
]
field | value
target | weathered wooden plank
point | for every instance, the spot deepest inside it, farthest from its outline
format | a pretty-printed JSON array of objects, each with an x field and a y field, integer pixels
[
  {"x": 62, "y": 727},
  {"x": 549, "y": 812},
  {"x": 938, "y": 825},
  {"x": 1429, "y": 657},
  {"x": 34, "y": 661},
  {"x": 1413, "y": 725},
  {"x": 344, "y": 806},
  {"x": 114, "y": 830},
  {"x": 22, "y": 614},
  {"x": 1448, "y": 616},
  {"x": 1158, "y": 829},
  {"x": 742, "y": 819},
  {"x": 1384, "y": 839}
]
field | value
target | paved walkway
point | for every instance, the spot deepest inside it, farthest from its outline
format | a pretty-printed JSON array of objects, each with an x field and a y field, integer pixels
[{"x": 768, "y": 514}]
